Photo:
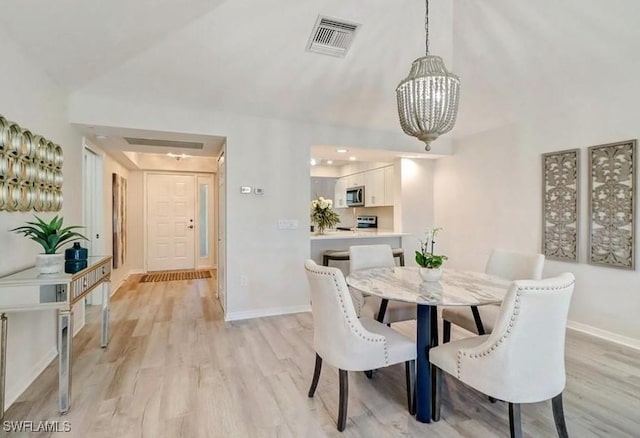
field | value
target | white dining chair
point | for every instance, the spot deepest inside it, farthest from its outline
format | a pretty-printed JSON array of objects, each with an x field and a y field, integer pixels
[
  {"x": 378, "y": 256},
  {"x": 350, "y": 343},
  {"x": 522, "y": 360},
  {"x": 510, "y": 265}
]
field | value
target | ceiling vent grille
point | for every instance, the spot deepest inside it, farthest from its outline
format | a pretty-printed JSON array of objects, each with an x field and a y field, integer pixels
[
  {"x": 331, "y": 36},
  {"x": 164, "y": 143}
]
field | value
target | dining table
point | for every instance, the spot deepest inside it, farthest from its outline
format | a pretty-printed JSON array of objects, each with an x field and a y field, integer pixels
[{"x": 455, "y": 288}]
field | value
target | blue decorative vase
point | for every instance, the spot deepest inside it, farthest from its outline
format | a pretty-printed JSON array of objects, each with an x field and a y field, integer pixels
[{"x": 75, "y": 259}]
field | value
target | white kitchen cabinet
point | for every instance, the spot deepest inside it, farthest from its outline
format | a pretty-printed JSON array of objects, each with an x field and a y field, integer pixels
[
  {"x": 374, "y": 188},
  {"x": 389, "y": 185},
  {"x": 356, "y": 180},
  {"x": 378, "y": 187},
  {"x": 339, "y": 200}
]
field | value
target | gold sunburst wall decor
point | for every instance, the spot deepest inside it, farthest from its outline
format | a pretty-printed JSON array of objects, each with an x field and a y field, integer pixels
[{"x": 30, "y": 170}]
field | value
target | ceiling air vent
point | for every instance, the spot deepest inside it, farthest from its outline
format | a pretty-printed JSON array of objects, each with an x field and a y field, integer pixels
[
  {"x": 332, "y": 36},
  {"x": 164, "y": 143}
]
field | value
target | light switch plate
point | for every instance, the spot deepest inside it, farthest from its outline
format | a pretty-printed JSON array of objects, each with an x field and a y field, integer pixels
[
  {"x": 258, "y": 191},
  {"x": 245, "y": 189},
  {"x": 287, "y": 224}
]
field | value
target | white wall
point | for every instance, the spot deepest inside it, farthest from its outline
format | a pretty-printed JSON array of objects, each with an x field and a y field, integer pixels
[
  {"x": 414, "y": 203},
  {"x": 111, "y": 166},
  {"x": 488, "y": 194},
  {"x": 268, "y": 153},
  {"x": 34, "y": 102},
  {"x": 325, "y": 171}
]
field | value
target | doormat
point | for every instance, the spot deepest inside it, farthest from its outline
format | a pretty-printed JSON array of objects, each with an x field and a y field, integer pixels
[{"x": 175, "y": 275}]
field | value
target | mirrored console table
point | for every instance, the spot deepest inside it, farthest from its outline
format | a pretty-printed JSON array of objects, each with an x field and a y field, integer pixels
[{"x": 27, "y": 291}]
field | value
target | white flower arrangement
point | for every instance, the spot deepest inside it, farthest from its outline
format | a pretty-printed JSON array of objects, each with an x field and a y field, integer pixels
[{"x": 322, "y": 214}]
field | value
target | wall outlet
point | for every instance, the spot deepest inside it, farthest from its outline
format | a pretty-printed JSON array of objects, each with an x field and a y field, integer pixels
[
  {"x": 288, "y": 224},
  {"x": 244, "y": 281}
]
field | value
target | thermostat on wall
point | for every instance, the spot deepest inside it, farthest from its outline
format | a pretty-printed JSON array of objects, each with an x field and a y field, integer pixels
[{"x": 258, "y": 191}]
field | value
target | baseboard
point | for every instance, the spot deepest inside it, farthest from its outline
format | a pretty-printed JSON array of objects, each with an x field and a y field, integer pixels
[
  {"x": 14, "y": 391},
  {"x": 78, "y": 327},
  {"x": 260, "y": 313},
  {"x": 131, "y": 272},
  {"x": 604, "y": 334}
]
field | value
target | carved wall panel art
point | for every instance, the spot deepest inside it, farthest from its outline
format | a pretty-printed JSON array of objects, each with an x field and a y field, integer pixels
[
  {"x": 560, "y": 198},
  {"x": 30, "y": 170},
  {"x": 612, "y": 194}
]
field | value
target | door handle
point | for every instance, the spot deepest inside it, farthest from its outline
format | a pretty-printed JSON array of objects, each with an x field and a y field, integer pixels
[{"x": 190, "y": 227}]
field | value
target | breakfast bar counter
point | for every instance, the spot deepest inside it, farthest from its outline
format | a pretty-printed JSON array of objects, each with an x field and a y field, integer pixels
[
  {"x": 356, "y": 234},
  {"x": 342, "y": 240}
]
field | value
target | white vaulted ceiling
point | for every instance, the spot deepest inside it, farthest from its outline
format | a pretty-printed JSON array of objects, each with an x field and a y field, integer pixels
[
  {"x": 515, "y": 58},
  {"x": 519, "y": 59},
  {"x": 241, "y": 56}
]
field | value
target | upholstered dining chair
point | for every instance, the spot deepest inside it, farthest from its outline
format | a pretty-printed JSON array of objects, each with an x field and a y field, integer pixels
[
  {"x": 350, "y": 343},
  {"x": 506, "y": 264},
  {"x": 522, "y": 360},
  {"x": 377, "y": 256}
]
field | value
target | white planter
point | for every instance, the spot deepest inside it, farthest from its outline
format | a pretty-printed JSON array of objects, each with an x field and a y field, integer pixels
[
  {"x": 50, "y": 263},
  {"x": 430, "y": 274}
]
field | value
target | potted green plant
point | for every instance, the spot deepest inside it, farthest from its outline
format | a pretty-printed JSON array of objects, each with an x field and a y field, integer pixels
[
  {"x": 430, "y": 263},
  {"x": 51, "y": 236}
]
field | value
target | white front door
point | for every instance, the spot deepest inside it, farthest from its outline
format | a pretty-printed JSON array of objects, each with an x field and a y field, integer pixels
[{"x": 170, "y": 222}]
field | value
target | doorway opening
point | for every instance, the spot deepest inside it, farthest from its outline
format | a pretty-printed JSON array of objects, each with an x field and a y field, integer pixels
[
  {"x": 93, "y": 211},
  {"x": 179, "y": 226}
]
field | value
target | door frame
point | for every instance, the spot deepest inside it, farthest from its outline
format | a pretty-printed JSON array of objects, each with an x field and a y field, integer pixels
[
  {"x": 97, "y": 245},
  {"x": 212, "y": 236},
  {"x": 221, "y": 236}
]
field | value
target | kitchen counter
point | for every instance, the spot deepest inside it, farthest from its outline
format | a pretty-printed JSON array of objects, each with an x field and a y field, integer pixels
[
  {"x": 342, "y": 240},
  {"x": 362, "y": 233}
]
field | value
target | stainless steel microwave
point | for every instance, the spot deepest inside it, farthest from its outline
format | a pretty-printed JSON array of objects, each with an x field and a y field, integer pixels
[{"x": 355, "y": 196}]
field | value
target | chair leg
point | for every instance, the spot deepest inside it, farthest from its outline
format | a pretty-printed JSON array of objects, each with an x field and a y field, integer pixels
[
  {"x": 383, "y": 309},
  {"x": 558, "y": 416},
  {"x": 316, "y": 375},
  {"x": 410, "y": 373},
  {"x": 437, "y": 393},
  {"x": 515, "y": 425},
  {"x": 369, "y": 374},
  {"x": 344, "y": 398},
  {"x": 446, "y": 331},
  {"x": 478, "y": 320}
]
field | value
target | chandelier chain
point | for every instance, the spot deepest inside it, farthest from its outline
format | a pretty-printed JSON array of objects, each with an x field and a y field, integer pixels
[
  {"x": 426, "y": 26},
  {"x": 428, "y": 98}
]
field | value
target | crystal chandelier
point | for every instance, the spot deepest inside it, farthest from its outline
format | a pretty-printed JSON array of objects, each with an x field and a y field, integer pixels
[{"x": 428, "y": 97}]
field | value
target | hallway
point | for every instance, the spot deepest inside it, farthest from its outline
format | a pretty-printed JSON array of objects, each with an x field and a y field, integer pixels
[{"x": 175, "y": 369}]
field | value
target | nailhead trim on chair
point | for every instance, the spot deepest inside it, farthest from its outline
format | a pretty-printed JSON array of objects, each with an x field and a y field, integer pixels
[
  {"x": 516, "y": 311},
  {"x": 353, "y": 327}
]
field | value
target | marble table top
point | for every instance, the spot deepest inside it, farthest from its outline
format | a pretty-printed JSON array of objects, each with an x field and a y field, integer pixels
[{"x": 455, "y": 288}]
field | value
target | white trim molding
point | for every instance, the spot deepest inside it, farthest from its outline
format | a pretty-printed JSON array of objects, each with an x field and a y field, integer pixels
[
  {"x": 261, "y": 313},
  {"x": 115, "y": 287},
  {"x": 604, "y": 334}
]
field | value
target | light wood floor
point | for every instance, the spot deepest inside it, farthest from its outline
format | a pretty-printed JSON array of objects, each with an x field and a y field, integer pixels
[{"x": 175, "y": 369}]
